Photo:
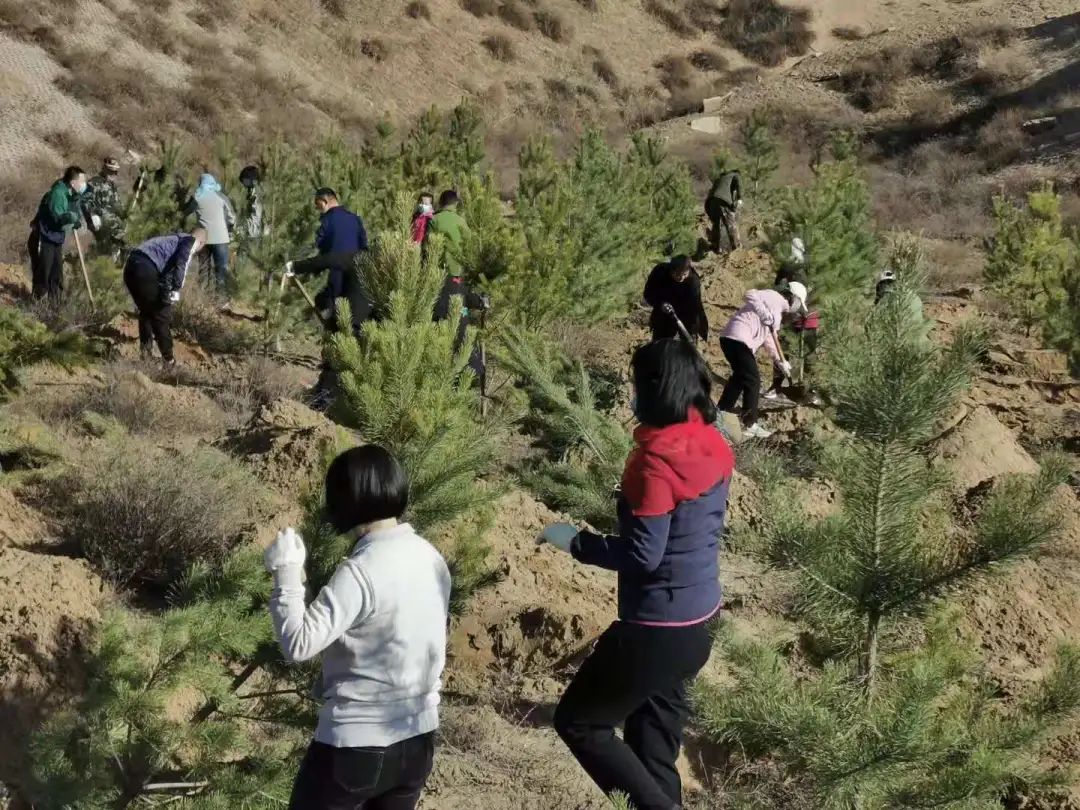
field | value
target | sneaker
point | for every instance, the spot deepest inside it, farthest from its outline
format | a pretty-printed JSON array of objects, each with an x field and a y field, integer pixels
[
  {"x": 756, "y": 431},
  {"x": 772, "y": 395}
]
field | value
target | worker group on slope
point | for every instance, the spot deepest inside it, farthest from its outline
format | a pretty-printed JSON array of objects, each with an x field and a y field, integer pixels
[{"x": 380, "y": 623}]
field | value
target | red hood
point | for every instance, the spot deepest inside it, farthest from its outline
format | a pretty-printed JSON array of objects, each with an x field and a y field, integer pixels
[{"x": 673, "y": 464}]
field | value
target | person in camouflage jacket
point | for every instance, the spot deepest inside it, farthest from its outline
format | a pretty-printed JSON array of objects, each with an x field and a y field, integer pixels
[{"x": 103, "y": 209}]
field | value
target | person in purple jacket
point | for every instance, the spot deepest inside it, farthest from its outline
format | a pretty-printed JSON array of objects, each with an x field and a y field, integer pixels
[
  {"x": 670, "y": 517},
  {"x": 154, "y": 274},
  {"x": 754, "y": 325}
]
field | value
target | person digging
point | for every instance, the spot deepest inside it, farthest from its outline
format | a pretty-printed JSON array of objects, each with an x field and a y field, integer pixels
[
  {"x": 676, "y": 283},
  {"x": 754, "y": 325}
]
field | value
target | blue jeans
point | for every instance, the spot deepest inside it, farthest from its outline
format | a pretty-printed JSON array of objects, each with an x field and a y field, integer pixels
[{"x": 219, "y": 255}]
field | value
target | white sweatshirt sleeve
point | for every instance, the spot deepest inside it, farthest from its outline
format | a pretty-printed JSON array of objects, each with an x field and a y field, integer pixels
[{"x": 306, "y": 632}]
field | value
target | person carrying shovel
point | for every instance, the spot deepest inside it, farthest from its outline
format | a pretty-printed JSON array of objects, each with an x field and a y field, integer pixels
[
  {"x": 754, "y": 325},
  {"x": 676, "y": 283}
]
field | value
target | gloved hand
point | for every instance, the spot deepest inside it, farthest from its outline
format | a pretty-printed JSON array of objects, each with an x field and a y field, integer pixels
[
  {"x": 95, "y": 221},
  {"x": 287, "y": 550},
  {"x": 559, "y": 535},
  {"x": 289, "y": 272},
  {"x": 174, "y": 297},
  {"x": 485, "y": 302},
  {"x": 785, "y": 368},
  {"x": 738, "y": 204}
]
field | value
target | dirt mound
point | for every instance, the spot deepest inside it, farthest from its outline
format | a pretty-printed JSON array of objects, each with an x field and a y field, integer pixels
[
  {"x": 527, "y": 630},
  {"x": 50, "y": 605},
  {"x": 980, "y": 448},
  {"x": 20, "y": 526},
  {"x": 283, "y": 443}
]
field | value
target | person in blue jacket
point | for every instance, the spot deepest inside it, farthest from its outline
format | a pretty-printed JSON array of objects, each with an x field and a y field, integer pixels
[
  {"x": 340, "y": 239},
  {"x": 670, "y": 517}
]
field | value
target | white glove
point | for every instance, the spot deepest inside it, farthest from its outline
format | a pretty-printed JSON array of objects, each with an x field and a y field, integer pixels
[
  {"x": 559, "y": 535},
  {"x": 174, "y": 297},
  {"x": 95, "y": 220},
  {"x": 785, "y": 367},
  {"x": 287, "y": 550},
  {"x": 738, "y": 204},
  {"x": 289, "y": 270}
]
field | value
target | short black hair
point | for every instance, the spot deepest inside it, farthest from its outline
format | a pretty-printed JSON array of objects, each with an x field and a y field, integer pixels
[
  {"x": 680, "y": 263},
  {"x": 425, "y": 194},
  {"x": 249, "y": 176},
  {"x": 448, "y": 197},
  {"x": 71, "y": 172},
  {"x": 670, "y": 378},
  {"x": 325, "y": 193},
  {"x": 363, "y": 485}
]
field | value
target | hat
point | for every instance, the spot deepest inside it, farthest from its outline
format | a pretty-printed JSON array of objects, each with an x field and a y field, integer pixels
[
  {"x": 111, "y": 164},
  {"x": 799, "y": 292},
  {"x": 887, "y": 275}
]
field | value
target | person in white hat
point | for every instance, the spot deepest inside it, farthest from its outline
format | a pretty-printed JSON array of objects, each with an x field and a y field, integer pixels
[{"x": 754, "y": 325}]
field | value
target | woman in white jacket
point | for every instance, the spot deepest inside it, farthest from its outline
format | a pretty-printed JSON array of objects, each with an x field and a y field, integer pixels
[{"x": 380, "y": 623}]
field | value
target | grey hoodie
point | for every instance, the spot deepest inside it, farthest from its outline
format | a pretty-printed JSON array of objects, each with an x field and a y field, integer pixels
[{"x": 215, "y": 214}]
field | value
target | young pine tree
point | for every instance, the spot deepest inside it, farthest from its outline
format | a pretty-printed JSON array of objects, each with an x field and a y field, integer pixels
[
  {"x": 24, "y": 341},
  {"x": 877, "y": 724},
  {"x": 585, "y": 448},
  {"x": 1031, "y": 255},
  {"x": 405, "y": 381},
  {"x": 833, "y": 217}
]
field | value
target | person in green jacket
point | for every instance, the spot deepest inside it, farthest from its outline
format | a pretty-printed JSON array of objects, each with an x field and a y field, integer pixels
[
  {"x": 452, "y": 226},
  {"x": 57, "y": 216}
]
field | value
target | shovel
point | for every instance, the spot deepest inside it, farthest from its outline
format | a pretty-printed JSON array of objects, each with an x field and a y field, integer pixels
[
  {"x": 669, "y": 310},
  {"x": 85, "y": 275}
]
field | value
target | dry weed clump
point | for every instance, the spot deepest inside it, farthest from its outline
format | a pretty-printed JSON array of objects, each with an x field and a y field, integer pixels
[
  {"x": 848, "y": 33},
  {"x": 705, "y": 14},
  {"x": 552, "y": 26},
  {"x": 516, "y": 15},
  {"x": 670, "y": 17},
  {"x": 605, "y": 71},
  {"x": 418, "y": 10},
  {"x": 500, "y": 47},
  {"x": 144, "y": 515},
  {"x": 871, "y": 82},
  {"x": 589, "y": 5},
  {"x": 709, "y": 60},
  {"x": 198, "y": 318},
  {"x": 676, "y": 72},
  {"x": 1002, "y": 139},
  {"x": 20, "y": 21},
  {"x": 767, "y": 32},
  {"x": 375, "y": 49},
  {"x": 481, "y": 8},
  {"x": 336, "y": 8}
]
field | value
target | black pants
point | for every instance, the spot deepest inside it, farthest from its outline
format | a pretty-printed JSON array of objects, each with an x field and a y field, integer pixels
[
  {"x": 46, "y": 266},
  {"x": 390, "y": 778},
  {"x": 636, "y": 676},
  {"x": 155, "y": 313},
  {"x": 745, "y": 380}
]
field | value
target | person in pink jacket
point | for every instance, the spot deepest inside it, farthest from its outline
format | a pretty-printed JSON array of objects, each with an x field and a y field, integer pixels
[{"x": 754, "y": 325}]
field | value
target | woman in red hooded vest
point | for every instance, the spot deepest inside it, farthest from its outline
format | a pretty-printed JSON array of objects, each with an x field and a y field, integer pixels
[{"x": 671, "y": 516}]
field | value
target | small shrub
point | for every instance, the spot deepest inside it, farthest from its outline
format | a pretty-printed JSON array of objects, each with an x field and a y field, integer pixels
[
  {"x": 136, "y": 402},
  {"x": 670, "y": 17},
  {"x": 705, "y": 14},
  {"x": 418, "y": 10},
  {"x": 848, "y": 33},
  {"x": 709, "y": 60},
  {"x": 143, "y": 515},
  {"x": 589, "y": 5},
  {"x": 500, "y": 47},
  {"x": 605, "y": 71},
  {"x": 767, "y": 32},
  {"x": 870, "y": 84},
  {"x": 514, "y": 14},
  {"x": 335, "y": 8},
  {"x": 374, "y": 49},
  {"x": 198, "y": 318},
  {"x": 551, "y": 25},
  {"x": 676, "y": 72},
  {"x": 1002, "y": 139},
  {"x": 481, "y": 8},
  {"x": 205, "y": 19}
]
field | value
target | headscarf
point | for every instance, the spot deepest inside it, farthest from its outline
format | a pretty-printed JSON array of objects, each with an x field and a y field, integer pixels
[{"x": 207, "y": 185}]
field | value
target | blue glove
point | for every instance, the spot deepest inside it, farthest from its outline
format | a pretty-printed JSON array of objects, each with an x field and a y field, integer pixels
[{"x": 559, "y": 535}]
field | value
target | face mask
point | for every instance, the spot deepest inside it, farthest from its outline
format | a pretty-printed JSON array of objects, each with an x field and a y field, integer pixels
[
  {"x": 426, "y": 208},
  {"x": 78, "y": 188}
]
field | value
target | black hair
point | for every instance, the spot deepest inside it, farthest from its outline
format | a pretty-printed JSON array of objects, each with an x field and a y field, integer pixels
[
  {"x": 670, "y": 378},
  {"x": 363, "y": 485},
  {"x": 680, "y": 263},
  {"x": 325, "y": 193},
  {"x": 71, "y": 172},
  {"x": 448, "y": 197},
  {"x": 425, "y": 194},
  {"x": 249, "y": 176}
]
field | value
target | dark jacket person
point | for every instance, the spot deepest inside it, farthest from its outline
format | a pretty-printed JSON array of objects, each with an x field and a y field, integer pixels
[
  {"x": 671, "y": 514},
  {"x": 678, "y": 284}
]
